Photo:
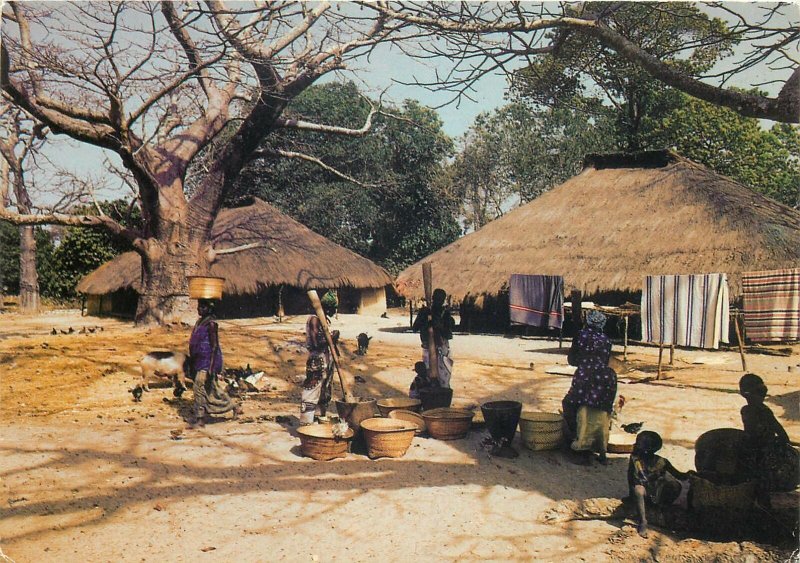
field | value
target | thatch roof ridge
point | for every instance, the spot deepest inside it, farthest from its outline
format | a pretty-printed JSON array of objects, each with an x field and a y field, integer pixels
[
  {"x": 291, "y": 254},
  {"x": 608, "y": 227}
]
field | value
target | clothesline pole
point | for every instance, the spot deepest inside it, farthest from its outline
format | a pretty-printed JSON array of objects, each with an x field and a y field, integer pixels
[
  {"x": 625, "y": 340},
  {"x": 660, "y": 356},
  {"x": 736, "y": 319}
]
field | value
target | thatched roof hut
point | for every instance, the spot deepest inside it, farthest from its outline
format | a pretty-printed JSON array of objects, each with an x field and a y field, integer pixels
[
  {"x": 291, "y": 255},
  {"x": 622, "y": 218}
]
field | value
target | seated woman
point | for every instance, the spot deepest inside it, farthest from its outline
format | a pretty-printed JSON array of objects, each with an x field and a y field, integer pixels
[
  {"x": 651, "y": 478},
  {"x": 588, "y": 404},
  {"x": 768, "y": 456}
]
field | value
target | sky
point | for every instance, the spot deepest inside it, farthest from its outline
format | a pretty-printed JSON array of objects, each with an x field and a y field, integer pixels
[{"x": 384, "y": 71}]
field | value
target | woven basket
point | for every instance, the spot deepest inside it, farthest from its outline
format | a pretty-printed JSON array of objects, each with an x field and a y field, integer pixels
[
  {"x": 706, "y": 494},
  {"x": 409, "y": 416},
  {"x": 318, "y": 442},
  {"x": 541, "y": 430},
  {"x": 205, "y": 287},
  {"x": 387, "y": 437},
  {"x": 385, "y": 406},
  {"x": 447, "y": 423},
  {"x": 356, "y": 411}
]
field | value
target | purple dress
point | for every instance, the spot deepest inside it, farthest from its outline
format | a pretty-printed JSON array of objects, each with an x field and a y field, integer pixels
[
  {"x": 594, "y": 383},
  {"x": 210, "y": 395},
  {"x": 200, "y": 349}
]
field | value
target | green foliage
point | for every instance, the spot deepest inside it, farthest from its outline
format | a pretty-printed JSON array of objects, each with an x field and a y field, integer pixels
[
  {"x": 635, "y": 112},
  {"x": 9, "y": 258},
  {"x": 403, "y": 214},
  {"x": 519, "y": 152},
  {"x": 736, "y": 146},
  {"x": 80, "y": 250},
  {"x": 584, "y": 75}
]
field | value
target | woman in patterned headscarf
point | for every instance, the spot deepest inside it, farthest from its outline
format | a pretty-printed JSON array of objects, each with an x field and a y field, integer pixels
[{"x": 588, "y": 404}]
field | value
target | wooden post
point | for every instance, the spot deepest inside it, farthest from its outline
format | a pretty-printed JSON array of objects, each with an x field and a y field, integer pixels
[
  {"x": 433, "y": 358},
  {"x": 671, "y": 354},
  {"x": 625, "y": 340},
  {"x": 660, "y": 356},
  {"x": 410, "y": 313},
  {"x": 740, "y": 339},
  {"x": 280, "y": 303},
  {"x": 315, "y": 302},
  {"x": 577, "y": 319}
]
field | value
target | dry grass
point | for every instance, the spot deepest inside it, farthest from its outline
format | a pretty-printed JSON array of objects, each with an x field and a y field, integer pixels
[
  {"x": 615, "y": 223},
  {"x": 293, "y": 255}
]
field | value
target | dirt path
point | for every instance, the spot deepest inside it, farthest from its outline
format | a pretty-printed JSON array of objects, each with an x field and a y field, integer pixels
[{"x": 87, "y": 474}]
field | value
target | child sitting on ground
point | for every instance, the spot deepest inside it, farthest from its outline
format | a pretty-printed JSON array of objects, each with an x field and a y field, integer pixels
[
  {"x": 421, "y": 380},
  {"x": 651, "y": 478}
]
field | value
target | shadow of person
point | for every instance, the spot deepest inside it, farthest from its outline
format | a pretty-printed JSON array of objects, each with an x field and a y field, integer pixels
[{"x": 789, "y": 402}]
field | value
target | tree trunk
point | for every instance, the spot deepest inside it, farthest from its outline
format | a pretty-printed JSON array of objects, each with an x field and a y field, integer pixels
[
  {"x": 167, "y": 262},
  {"x": 28, "y": 276},
  {"x": 165, "y": 289}
]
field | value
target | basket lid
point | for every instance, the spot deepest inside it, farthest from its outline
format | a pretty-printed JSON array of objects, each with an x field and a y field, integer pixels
[
  {"x": 409, "y": 416},
  {"x": 447, "y": 413},
  {"x": 538, "y": 416},
  {"x": 403, "y": 402},
  {"x": 387, "y": 425},
  {"x": 322, "y": 431}
]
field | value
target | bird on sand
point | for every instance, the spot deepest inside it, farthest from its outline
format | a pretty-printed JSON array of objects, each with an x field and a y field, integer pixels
[
  {"x": 633, "y": 427},
  {"x": 137, "y": 393}
]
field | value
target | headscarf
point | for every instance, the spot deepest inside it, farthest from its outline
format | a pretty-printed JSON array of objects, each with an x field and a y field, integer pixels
[
  {"x": 329, "y": 303},
  {"x": 753, "y": 385},
  {"x": 648, "y": 442},
  {"x": 596, "y": 319}
]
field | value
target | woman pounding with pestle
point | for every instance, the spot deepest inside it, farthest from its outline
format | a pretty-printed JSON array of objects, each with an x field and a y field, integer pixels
[
  {"x": 443, "y": 325},
  {"x": 316, "y": 393}
]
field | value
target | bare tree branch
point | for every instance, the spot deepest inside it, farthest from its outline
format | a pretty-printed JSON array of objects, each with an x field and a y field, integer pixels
[
  {"x": 469, "y": 32},
  {"x": 267, "y": 153}
]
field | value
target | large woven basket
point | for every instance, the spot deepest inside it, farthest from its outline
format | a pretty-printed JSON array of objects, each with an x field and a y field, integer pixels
[
  {"x": 447, "y": 423},
  {"x": 706, "y": 494},
  {"x": 387, "y": 437},
  {"x": 385, "y": 406},
  {"x": 356, "y": 411},
  {"x": 318, "y": 442},
  {"x": 205, "y": 287},
  {"x": 541, "y": 430}
]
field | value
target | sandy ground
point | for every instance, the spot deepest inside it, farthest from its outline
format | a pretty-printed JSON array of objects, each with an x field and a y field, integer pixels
[{"x": 89, "y": 475}]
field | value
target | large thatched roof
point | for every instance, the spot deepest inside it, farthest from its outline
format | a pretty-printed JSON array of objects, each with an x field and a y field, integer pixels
[
  {"x": 622, "y": 218},
  {"x": 294, "y": 255}
]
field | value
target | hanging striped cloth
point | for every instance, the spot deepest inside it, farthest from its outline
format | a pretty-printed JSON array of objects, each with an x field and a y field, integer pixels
[
  {"x": 535, "y": 300},
  {"x": 772, "y": 305},
  {"x": 686, "y": 310}
]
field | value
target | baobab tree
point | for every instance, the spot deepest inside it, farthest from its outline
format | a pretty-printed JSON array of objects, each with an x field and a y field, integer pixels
[
  {"x": 156, "y": 83},
  {"x": 20, "y": 138},
  {"x": 481, "y": 37}
]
